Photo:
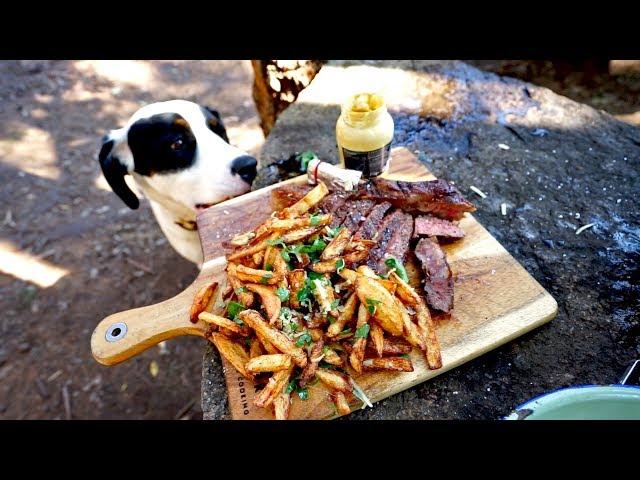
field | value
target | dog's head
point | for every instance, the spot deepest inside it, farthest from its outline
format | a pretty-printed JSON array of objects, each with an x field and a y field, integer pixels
[{"x": 182, "y": 150}]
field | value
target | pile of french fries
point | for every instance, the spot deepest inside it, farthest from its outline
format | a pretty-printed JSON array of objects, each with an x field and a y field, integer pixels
[{"x": 299, "y": 309}]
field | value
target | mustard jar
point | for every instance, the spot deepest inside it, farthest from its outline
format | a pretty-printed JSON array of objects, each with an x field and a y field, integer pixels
[{"x": 364, "y": 132}]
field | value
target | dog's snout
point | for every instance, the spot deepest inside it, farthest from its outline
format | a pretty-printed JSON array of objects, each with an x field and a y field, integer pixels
[{"x": 246, "y": 167}]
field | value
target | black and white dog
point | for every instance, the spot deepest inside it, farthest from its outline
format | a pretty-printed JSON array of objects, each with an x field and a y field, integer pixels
[{"x": 180, "y": 157}]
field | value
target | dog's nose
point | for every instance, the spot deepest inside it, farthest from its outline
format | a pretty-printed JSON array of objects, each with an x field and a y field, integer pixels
[{"x": 246, "y": 167}]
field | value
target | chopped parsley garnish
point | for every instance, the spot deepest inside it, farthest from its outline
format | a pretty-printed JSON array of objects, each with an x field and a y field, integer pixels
[
  {"x": 277, "y": 241},
  {"x": 371, "y": 305},
  {"x": 240, "y": 290},
  {"x": 285, "y": 313},
  {"x": 291, "y": 386},
  {"x": 265, "y": 278},
  {"x": 331, "y": 318},
  {"x": 332, "y": 232},
  {"x": 405, "y": 355},
  {"x": 316, "y": 276},
  {"x": 362, "y": 332},
  {"x": 234, "y": 308},
  {"x": 339, "y": 265},
  {"x": 396, "y": 264},
  {"x": 303, "y": 339},
  {"x": 303, "y": 393},
  {"x": 283, "y": 294},
  {"x": 268, "y": 267},
  {"x": 305, "y": 158},
  {"x": 315, "y": 220},
  {"x": 335, "y": 304}
]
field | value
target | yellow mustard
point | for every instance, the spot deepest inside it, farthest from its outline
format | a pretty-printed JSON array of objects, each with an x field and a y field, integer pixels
[{"x": 364, "y": 132}]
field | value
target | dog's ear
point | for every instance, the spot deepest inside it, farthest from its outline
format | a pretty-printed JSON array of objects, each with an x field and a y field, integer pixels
[
  {"x": 114, "y": 172},
  {"x": 214, "y": 122}
]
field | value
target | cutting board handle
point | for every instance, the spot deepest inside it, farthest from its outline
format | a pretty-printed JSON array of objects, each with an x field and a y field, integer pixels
[{"x": 125, "y": 334}]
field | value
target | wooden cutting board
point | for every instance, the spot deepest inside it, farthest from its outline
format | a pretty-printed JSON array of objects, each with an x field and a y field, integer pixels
[{"x": 495, "y": 301}]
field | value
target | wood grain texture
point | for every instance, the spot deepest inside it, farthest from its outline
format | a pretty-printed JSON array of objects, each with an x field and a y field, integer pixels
[{"x": 496, "y": 300}]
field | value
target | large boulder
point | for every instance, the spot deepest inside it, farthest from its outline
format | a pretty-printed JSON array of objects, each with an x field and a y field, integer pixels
[{"x": 556, "y": 164}]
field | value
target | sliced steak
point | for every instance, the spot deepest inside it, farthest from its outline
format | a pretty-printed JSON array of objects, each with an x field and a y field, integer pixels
[
  {"x": 438, "y": 282},
  {"x": 393, "y": 241},
  {"x": 430, "y": 226},
  {"x": 371, "y": 224},
  {"x": 358, "y": 211},
  {"x": 333, "y": 201},
  {"x": 437, "y": 197}
]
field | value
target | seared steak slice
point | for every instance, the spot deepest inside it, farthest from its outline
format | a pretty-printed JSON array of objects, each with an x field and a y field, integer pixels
[
  {"x": 438, "y": 282},
  {"x": 287, "y": 195},
  {"x": 358, "y": 211},
  {"x": 333, "y": 201},
  {"x": 437, "y": 197},
  {"x": 393, "y": 241},
  {"x": 371, "y": 224},
  {"x": 429, "y": 226}
]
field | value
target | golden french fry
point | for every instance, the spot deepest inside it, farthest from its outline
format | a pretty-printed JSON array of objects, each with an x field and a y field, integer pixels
[
  {"x": 331, "y": 357},
  {"x": 267, "y": 259},
  {"x": 372, "y": 294},
  {"x": 357, "y": 353},
  {"x": 274, "y": 387},
  {"x": 334, "y": 380},
  {"x": 255, "y": 350},
  {"x": 244, "y": 296},
  {"x": 250, "y": 249},
  {"x": 425, "y": 323},
  {"x": 325, "y": 266},
  {"x": 242, "y": 239},
  {"x": 410, "y": 330},
  {"x": 296, "y": 282},
  {"x": 281, "y": 406},
  {"x": 405, "y": 291},
  {"x": 316, "y": 334},
  {"x": 270, "y": 301},
  {"x": 314, "y": 358},
  {"x": 351, "y": 258},
  {"x": 349, "y": 275},
  {"x": 368, "y": 272},
  {"x": 377, "y": 338},
  {"x": 300, "y": 234},
  {"x": 307, "y": 202},
  {"x": 281, "y": 269},
  {"x": 266, "y": 344},
  {"x": 325, "y": 296},
  {"x": 224, "y": 323},
  {"x": 258, "y": 257},
  {"x": 254, "y": 275},
  {"x": 359, "y": 245},
  {"x": 398, "y": 364},
  {"x": 202, "y": 300},
  {"x": 269, "y": 363},
  {"x": 233, "y": 352},
  {"x": 275, "y": 337},
  {"x": 296, "y": 223},
  {"x": 344, "y": 317},
  {"x": 395, "y": 346},
  {"x": 340, "y": 401},
  {"x": 336, "y": 245}
]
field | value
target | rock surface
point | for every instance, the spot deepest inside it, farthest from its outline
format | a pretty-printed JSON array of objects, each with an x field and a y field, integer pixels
[{"x": 557, "y": 165}]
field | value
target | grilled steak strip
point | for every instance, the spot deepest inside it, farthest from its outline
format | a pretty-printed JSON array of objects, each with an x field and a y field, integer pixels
[
  {"x": 371, "y": 224},
  {"x": 333, "y": 201},
  {"x": 358, "y": 211},
  {"x": 438, "y": 282},
  {"x": 394, "y": 241},
  {"x": 429, "y": 226},
  {"x": 437, "y": 197}
]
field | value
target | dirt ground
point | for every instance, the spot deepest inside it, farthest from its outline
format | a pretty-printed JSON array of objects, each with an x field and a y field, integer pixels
[{"x": 71, "y": 252}]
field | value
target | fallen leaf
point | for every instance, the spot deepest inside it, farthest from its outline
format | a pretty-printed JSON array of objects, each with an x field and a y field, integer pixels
[{"x": 153, "y": 368}]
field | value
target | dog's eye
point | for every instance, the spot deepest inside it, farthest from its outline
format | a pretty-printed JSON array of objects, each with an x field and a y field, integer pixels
[{"x": 177, "y": 145}]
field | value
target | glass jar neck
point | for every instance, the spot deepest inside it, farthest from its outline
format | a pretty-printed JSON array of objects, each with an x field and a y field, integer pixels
[{"x": 362, "y": 119}]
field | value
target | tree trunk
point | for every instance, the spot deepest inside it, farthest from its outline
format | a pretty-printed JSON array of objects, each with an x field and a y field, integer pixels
[{"x": 277, "y": 84}]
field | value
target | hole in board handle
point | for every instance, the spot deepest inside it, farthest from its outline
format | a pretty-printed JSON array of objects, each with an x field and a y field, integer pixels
[{"x": 116, "y": 332}]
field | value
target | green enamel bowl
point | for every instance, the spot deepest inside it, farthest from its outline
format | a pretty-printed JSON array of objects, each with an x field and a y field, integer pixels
[{"x": 589, "y": 402}]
